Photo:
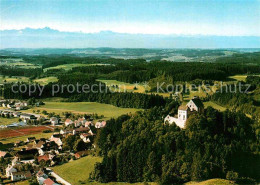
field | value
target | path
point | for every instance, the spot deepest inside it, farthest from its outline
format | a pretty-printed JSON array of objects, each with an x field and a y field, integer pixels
[{"x": 57, "y": 177}]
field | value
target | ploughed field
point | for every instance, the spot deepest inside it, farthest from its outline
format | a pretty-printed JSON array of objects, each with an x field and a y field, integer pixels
[{"x": 16, "y": 132}]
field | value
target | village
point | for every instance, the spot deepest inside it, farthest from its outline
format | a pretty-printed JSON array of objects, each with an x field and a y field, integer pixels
[{"x": 70, "y": 139}]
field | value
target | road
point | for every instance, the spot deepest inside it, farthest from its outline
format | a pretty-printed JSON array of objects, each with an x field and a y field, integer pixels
[{"x": 57, "y": 177}]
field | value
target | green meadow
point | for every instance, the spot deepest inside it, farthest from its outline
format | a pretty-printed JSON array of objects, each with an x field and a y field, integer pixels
[{"x": 108, "y": 111}]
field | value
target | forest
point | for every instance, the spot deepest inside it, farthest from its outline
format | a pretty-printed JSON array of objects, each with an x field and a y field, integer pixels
[{"x": 214, "y": 145}]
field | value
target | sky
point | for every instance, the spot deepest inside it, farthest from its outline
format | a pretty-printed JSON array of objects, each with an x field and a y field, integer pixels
[{"x": 184, "y": 17}]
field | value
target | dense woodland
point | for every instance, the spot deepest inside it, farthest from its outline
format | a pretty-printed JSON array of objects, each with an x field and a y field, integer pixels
[{"x": 142, "y": 148}]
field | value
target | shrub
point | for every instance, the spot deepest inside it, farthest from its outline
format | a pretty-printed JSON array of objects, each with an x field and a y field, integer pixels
[{"x": 231, "y": 175}]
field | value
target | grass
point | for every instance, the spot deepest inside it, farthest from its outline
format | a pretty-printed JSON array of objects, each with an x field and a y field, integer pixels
[
  {"x": 212, "y": 182},
  {"x": 46, "y": 80},
  {"x": 23, "y": 138},
  {"x": 13, "y": 79},
  {"x": 214, "y": 105},
  {"x": 7, "y": 121},
  {"x": 240, "y": 77},
  {"x": 125, "y": 87},
  {"x": 69, "y": 66},
  {"x": 108, "y": 111},
  {"x": 76, "y": 172}
]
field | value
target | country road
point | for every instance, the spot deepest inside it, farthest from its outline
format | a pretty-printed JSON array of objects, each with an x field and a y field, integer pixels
[{"x": 57, "y": 177}]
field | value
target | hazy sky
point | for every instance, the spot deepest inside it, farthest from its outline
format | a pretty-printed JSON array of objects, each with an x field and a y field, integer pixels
[{"x": 207, "y": 17}]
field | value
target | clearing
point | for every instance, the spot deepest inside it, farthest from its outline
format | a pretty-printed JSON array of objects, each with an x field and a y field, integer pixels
[
  {"x": 214, "y": 105},
  {"x": 13, "y": 79},
  {"x": 46, "y": 80},
  {"x": 125, "y": 87},
  {"x": 70, "y": 66}
]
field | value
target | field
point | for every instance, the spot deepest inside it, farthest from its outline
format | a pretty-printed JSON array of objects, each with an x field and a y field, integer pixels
[
  {"x": 79, "y": 172},
  {"x": 69, "y": 66},
  {"x": 20, "y": 131},
  {"x": 212, "y": 182},
  {"x": 214, "y": 105},
  {"x": 125, "y": 87},
  {"x": 24, "y": 137},
  {"x": 240, "y": 77},
  {"x": 7, "y": 121},
  {"x": 108, "y": 111},
  {"x": 13, "y": 79},
  {"x": 45, "y": 81}
]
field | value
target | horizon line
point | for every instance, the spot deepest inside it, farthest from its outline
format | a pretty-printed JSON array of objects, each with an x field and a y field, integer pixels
[{"x": 118, "y": 32}]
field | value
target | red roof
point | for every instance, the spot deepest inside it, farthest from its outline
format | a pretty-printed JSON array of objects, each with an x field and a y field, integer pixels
[
  {"x": 48, "y": 182},
  {"x": 2, "y": 154},
  {"x": 43, "y": 157}
]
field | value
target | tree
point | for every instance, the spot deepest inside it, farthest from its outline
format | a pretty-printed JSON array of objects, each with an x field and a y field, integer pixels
[{"x": 79, "y": 145}]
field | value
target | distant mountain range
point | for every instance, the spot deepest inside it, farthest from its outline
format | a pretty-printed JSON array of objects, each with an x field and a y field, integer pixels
[{"x": 50, "y": 38}]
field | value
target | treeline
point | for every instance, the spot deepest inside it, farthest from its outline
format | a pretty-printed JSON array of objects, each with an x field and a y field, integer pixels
[
  {"x": 178, "y": 71},
  {"x": 126, "y": 100},
  {"x": 15, "y": 71},
  {"x": 141, "y": 148},
  {"x": 98, "y": 93},
  {"x": 246, "y": 102}
]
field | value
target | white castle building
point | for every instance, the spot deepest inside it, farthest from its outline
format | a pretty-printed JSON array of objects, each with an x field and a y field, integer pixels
[{"x": 184, "y": 111}]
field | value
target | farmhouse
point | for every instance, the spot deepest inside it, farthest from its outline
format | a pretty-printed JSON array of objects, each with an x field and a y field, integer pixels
[
  {"x": 68, "y": 122},
  {"x": 100, "y": 124},
  {"x": 9, "y": 170},
  {"x": 88, "y": 123},
  {"x": 15, "y": 176},
  {"x": 57, "y": 139},
  {"x": 4, "y": 154},
  {"x": 27, "y": 116},
  {"x": 49, "y": 182},
  {"x": 54, "y": 121},
  {"x": 81, "y": 154},
  {"x": 184, "y": 111}
]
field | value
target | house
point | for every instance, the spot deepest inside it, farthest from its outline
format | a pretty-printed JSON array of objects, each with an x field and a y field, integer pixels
[
  {"x": 85, "y": 137},
  {"x": 54, "y": 121},
  {"x": 41, "y": 177},
  {"x": 26, "y": 154},
  {"x": 88, "y": 123},
  {"x": 30, "y": 139},
  {"x": 49, "y": 182},
  {"x": 81, "y": 154},
  {"x": 68, "y": 122},
  {"x": 67, "y": 131},
  {"x": 20, "y": 105},
  {"x": 16, "y": 114},
  {"x": 196, "y": 104},
  {"x": 80, "y": 130},
  {"x": 100, "y": 124},
  {"x": 4, "y": 154},
  {"x": 10, "y": 105},
  {"x": 16, "y": 176},
  {"x": 184, "y": 111},
  {"x": 57, "y": 139},
  {"x": 46, "y": 157},
  {"x": 27, "y": 116},
  {"x": 9, "y": 170}
]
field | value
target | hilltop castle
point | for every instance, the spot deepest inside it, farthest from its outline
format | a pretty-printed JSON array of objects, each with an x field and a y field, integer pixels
[{"x": 184, "y": 111}]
